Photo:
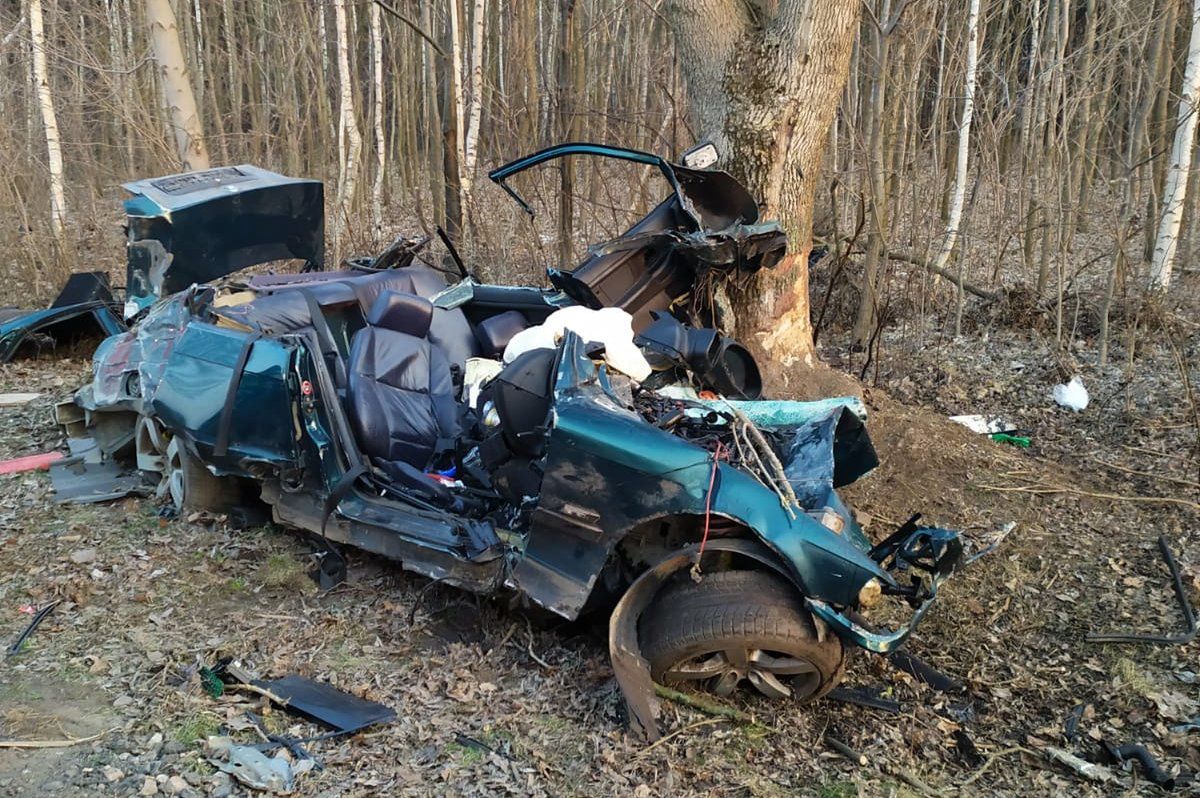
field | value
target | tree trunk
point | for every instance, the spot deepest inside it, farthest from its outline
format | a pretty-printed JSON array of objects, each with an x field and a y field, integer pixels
[
  {"x": 1175, "y": 189},
  {"x": 176, "y": 89},
  {"x": 961, "y": 164},
  {"x": 350, "y": 139},
  {"x": 474, "y": 103},
  {"x": 764, "y": 89},
  {"x": 58, "y": 200},
  {"x": 377, "y": 105}
]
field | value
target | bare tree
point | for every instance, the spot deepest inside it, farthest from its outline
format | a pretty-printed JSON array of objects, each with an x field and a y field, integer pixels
[
  {"x": 1175, "y": 191},
  {"x": 350, "y": 139},
  {"x": 58, "y": 200},
  {"x": 962, "y": 156},
  {"x": 764, "y": 81},
  {"x": 176, "y": 88}
]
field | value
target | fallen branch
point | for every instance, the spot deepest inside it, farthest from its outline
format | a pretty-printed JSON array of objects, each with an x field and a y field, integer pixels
[
  {"x": 1089, "y": 770},
  {"x": 703, "y": 705},
  {"x": 51, "y": 743},
  {"x": 1044, "y": 489},
  {"x": 845, "y": 750},
  {"x": 946, "y": 274},
  {"x": 992, "y": 758}
]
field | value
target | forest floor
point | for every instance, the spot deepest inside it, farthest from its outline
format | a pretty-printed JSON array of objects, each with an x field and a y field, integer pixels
[{"x": 489, "y": 702}]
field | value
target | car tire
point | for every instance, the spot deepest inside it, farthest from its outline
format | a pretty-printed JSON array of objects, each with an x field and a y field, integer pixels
[
  {"x": 191, "y": 486},
  {"x": 735, "y": 626}
]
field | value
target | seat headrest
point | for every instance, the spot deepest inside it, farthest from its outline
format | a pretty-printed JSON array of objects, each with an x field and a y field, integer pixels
[{"x": 401, "y": 312}]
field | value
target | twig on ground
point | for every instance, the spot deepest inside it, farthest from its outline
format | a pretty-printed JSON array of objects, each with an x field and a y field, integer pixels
[
  {"x": 991, "y": 759},
  {"x": 51, "y": 743},
  {"x": 703, "y": 705},
  {"x": 845, "y": 750},
  {"x": 1040, "y": 489},
  {"x": 677, "y": 732}
]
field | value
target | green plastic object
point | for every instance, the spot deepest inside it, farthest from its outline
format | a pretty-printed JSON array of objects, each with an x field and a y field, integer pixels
[
  {"x": 211, "y": 683},
  {"x": 1011, "y": 440}
]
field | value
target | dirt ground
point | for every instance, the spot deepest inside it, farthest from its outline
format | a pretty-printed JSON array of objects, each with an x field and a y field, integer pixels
[{"x": 489, "y": 702}]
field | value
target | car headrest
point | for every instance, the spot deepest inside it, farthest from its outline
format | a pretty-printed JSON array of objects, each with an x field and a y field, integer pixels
[
  {"x": 401, "y": 312},
  {"x": 495, "y": 332}
]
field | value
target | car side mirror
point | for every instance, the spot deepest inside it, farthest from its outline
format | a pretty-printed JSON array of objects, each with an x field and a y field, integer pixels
[{"x": 702, "y": 156}]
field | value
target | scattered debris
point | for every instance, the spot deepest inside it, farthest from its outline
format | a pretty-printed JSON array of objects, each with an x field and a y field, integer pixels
[
  {"x": 920, "y": 669},
  {"x": 326, "y": 704},
  {"x": 34, "y": 623},
  {"x": 984, "y": 425},
  {"x": 1072, "y": 395},
  {"x": 80, "y": 479},
  {"x": 32, "y": 462},
  {"x": 1126, "y": 755},
  {"x": 1071, "y": 724},
  {"x": 966, "y": 749},
  {"x": 1089, "y": 770},
  {"x": 17, "y": 399},
  {"x": 864, "y": 698},
  {"x": 1005, "y": 530},
  {"x": 250, "y": 766},
  {"x": 1185, "y": 606}
]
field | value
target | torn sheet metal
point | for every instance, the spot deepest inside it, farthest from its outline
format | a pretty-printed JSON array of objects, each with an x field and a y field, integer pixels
[
  {"x": 326, "y": 704},
  {"x": 83, "y": 479}
]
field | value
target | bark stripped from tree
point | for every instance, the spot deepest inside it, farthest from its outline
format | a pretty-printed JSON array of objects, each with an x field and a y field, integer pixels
[
  {"x": 1175, "y": 190},
  {"x": 54, "y": 159},
  {"x": 176, "y": 88},
  {"x": 764, "y": 81}
]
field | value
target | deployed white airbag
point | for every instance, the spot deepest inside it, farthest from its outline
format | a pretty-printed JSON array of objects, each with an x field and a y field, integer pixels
[{"x": 611, "y": 327}]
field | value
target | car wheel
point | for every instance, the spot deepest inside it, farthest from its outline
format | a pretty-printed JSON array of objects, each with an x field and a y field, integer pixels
[
  {"x": 191, "y": 486},
  {"x": 736, "y": 626}
]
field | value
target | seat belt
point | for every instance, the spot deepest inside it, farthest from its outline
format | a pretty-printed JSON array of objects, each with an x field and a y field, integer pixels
[
  {"x": 225, "y": 423},
  {"x": 329, "y": 352},
  {"x": 331, "y": 569}
]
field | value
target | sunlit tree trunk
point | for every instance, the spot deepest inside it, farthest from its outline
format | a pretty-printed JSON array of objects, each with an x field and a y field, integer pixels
[
  {"x": 349, "y": 140},
  {"x": 1175, "y": 190},
  {"x": 950, "y": 239},
  {"x": 380, "y": 140},
  {"x": 58, "y": 200},
  {"x": 474, "y": 103},
  {"x": 764, "y": 84},
  {"x": 176, "y": 88}
]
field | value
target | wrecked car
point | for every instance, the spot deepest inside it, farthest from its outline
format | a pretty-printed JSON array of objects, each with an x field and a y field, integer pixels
[{"x": 628, "y": 466}]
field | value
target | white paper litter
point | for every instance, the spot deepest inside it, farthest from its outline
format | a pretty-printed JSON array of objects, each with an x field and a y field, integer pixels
[{"x": 1072, "y": 395}]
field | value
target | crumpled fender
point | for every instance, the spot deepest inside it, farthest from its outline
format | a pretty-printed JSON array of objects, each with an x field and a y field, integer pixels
[{"x": 629, "y": 666}]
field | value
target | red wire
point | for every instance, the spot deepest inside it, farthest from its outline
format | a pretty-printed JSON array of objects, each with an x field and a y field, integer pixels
[{"x": 712, "y": 480}]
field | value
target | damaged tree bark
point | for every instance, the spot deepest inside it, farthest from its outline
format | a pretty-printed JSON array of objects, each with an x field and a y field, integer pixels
[{"x": 764, "y": 78}]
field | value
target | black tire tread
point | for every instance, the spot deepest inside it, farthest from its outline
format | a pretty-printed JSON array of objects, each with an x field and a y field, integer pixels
[{"x": 756, "y": 605}]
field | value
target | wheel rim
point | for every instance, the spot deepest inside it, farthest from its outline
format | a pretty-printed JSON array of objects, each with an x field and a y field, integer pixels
[
  {"x": 774, "y": 674},
  {"x": 173, "y": 474}
]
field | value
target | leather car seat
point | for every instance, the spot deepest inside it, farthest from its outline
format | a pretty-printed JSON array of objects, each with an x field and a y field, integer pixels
[{"x": 400, "y": 395}]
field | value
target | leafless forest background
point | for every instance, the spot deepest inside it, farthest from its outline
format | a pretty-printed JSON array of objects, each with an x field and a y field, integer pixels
[{"x": 1075, "y": 113}]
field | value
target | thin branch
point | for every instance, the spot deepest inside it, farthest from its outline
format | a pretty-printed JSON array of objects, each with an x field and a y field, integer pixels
[{"x": 412, "y": 25}]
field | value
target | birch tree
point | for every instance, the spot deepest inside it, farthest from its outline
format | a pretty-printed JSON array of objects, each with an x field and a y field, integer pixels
[
  {"x": 764, "y": 80},
  {"x": 474, "y": 103},
  {"x": 958, "y": 198},
  {"x": 1175, "y": 190},
  {"x": 45, "y": 98},
  {"x": 177, "y": 94},
  {"x": 349, "y": 138},
  {"x": 380, "y": 139}
]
